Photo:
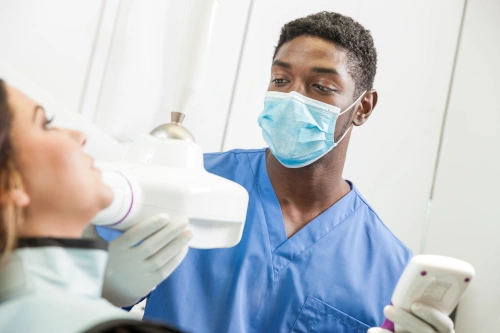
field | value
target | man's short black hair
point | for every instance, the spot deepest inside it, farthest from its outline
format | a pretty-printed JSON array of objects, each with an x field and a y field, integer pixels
[{"x": 345, "y": 33}]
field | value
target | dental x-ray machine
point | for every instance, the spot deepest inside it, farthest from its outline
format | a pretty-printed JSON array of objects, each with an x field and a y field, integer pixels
[{"x": 164, "y": 172}]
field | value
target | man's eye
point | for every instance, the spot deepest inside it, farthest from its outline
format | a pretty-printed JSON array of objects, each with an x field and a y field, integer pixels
[
  {"x": 279, "y": 81},
  {"x": 323, "y": 88}
]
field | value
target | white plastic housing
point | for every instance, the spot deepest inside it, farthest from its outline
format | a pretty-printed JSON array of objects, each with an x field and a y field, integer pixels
[
  {"x": 438, "y": 281},
  {"x": 167, "y": 176}
]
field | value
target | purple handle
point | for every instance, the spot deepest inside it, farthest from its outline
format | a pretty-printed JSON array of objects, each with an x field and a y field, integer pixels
[{"x": 388, "y": 325}]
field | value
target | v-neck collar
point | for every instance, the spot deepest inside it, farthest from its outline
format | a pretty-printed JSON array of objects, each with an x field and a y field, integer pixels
[{"x": 284, "y": 249}]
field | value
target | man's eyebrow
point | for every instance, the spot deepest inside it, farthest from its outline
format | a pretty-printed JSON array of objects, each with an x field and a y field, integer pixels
[
  {"x": 37, "y": 107},
  {"x": 324, "y": 70},
  {"x": 282, "y": 64}
]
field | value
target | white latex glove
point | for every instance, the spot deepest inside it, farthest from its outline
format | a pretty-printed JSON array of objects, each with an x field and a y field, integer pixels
[
  {"x": 422, "y": 319},
  {"x": 133, "y": 271},
  {"x": 378, "y": 330}
]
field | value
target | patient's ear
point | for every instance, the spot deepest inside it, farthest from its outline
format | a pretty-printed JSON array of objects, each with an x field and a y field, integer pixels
[{"x": 20, "y": 198}]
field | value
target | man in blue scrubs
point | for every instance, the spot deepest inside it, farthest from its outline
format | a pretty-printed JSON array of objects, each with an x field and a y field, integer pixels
[{"x": 314, "y": 257}]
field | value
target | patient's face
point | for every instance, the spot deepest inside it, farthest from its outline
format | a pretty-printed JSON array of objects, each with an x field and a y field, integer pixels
[{"x": 58, "y": 176}]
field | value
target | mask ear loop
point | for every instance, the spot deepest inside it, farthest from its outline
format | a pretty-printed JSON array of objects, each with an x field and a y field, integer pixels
[
  {"x": 347, "y": 131},
  {"x": 355, "y": 102},
  {"x": 343, "y": 136}
]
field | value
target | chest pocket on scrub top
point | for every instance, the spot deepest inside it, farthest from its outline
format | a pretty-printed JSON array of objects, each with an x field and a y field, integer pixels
[{"x": 319, "y": 317}]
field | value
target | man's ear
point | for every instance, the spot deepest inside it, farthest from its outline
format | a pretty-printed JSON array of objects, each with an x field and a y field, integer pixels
[
  {"x": 20, "y": 198},
  {"x": 365, "y": 107}
]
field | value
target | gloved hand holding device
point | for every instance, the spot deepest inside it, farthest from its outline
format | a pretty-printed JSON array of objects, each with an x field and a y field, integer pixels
[
  {"x": 427, "y": 292},
  {"x": 143, "y": 256},
  {"x": 422, "y": 319}
]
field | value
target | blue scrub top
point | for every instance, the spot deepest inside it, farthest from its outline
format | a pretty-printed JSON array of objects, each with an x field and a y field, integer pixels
[{"x": 334, "y": 275}]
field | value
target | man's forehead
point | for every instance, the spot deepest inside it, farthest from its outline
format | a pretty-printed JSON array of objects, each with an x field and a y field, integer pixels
[{"x": 311, "y": 48}]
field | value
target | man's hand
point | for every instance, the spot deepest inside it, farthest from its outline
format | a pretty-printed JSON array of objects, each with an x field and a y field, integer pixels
[
  {"x": 422, "y": 319},
  {"x": 144, "y": 256}
]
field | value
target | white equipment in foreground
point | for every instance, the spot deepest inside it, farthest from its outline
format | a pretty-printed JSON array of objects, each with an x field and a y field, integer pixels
[
  {"x": 161, "y": 174},
  {"x": 164, "y": 173},
  {"x": 437, "y": 281}
]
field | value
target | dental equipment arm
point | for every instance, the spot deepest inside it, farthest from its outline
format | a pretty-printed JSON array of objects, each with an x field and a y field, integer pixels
[
  {"x": 196, "y": 30},
  {"x": 427, "y": 292}
]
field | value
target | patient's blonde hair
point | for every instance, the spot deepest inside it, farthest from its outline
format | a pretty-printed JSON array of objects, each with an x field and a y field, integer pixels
[{"x": 11, "y": 215}]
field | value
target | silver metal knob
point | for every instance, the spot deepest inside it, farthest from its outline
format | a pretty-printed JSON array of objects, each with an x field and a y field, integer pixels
[{"x": 173, "y": 130}]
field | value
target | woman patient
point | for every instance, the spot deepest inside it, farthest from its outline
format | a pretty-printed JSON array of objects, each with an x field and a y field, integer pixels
[{"x": 50, "y": 279}]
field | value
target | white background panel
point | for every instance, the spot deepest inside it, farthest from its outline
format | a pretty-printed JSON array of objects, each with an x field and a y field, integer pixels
[
  {"x": 45, "y": 52},
  {"x": 465, "y": 218},
  {"x": 50, "y": 42}
]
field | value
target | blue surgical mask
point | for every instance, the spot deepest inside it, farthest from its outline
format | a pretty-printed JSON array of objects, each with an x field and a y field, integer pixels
[{"x": 299, "y": 130}]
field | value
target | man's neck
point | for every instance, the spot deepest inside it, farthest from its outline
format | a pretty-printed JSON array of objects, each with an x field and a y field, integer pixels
[{"x": 304, "y": 193}]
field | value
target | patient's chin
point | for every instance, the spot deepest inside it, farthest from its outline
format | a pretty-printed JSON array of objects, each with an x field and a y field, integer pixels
[
  {"x": 108, "y": 197},
  {"x": 105, "y": 197}
]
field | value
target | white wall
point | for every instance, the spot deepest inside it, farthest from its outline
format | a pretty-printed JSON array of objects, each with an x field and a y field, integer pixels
[
  {"x": 50, "y": 42},
  {"x": 465, "y": 218},
  {"x": 45, "y": 51}
]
